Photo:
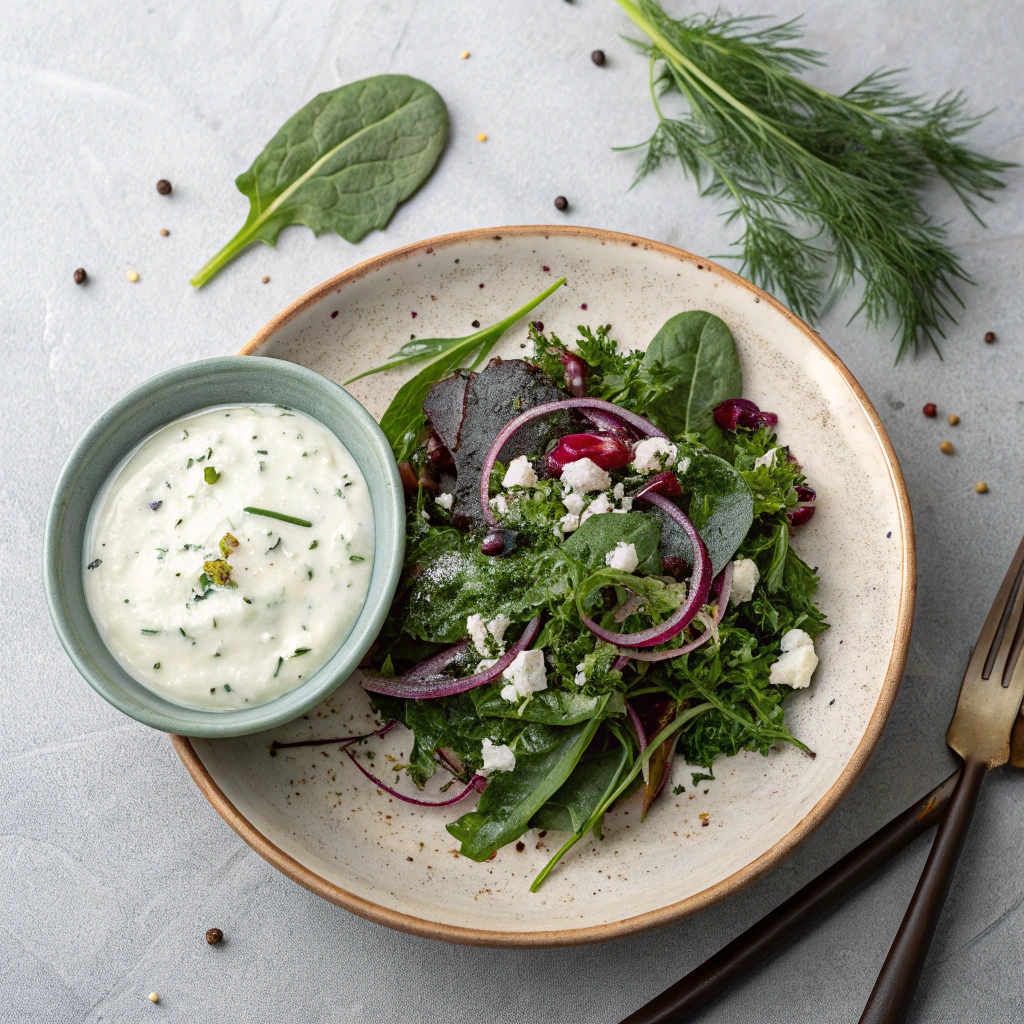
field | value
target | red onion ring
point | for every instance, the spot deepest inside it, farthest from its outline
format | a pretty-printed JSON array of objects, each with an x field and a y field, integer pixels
[
  {"x": 343, "y": 740},
  {"x": 700, "y": 585},
  {"x": 420, "y": 687},
  {"x": 638, "y": 423},
  {"x": 471, "y": 788},
  {"x": 638, "y": 726},
  {"x": 609, "y": 423},
  {"x": 432, "y": 666},
  {"x": 723, "y": 602}
]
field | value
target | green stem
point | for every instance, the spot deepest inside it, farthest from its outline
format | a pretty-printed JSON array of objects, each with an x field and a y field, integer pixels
[
  {"x": 241, "y": 241},
  {"x": 645, "y": 755}
]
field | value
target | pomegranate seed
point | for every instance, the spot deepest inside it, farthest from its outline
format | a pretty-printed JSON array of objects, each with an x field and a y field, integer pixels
[
  {"x": 498, "y": 542},
  {"x": 929, "y": 409},
  {"x": 604, "y": 450}
]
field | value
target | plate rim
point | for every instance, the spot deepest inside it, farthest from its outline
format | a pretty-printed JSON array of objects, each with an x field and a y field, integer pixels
[{"x": 738, "y": 880}]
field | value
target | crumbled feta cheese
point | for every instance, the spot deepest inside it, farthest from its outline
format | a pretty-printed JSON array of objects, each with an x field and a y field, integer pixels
[
  {"x": 499, "y": 503},
  {"x": 483, "y": 666},
  {"x": 652, "y": 454},
  {"x": 477, "y": 629},
  {"x": 445, "y": 500},
  {"x": 618, "y": 491},
  {"x": 497, "y": 626},
  {"x": 745, "y": 577},
  {"x": 569, "y": 523},
  {"x": 525, "y": 675},
  {"x": 768, "y": 459},
  {"x": 423, "y": 512},
  {"x": 498, "y": 757},
  {"x": 519, "y": 474},
  {"x": 574, "y": 503},
  {"x": 623, "y": 557},
  {"x": 585, "y": 475},
  {"x": 797, "y": 662},
  {"x": 683, "y": 465},
  {"x": 626, "y": 504},
  {"x": 580, "y": 678},
  {"x": 600, "y": 504}
]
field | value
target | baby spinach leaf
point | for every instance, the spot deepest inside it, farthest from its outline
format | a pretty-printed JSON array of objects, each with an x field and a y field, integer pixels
[
  {"x": 512, "y": 798},
  {"x": 343, "y": 163},
  {"x": 599, "y": 534},
  {"x": 703, "y": 352},
  {"x": 591, "y": 781},
  {"x": 550, "y": 707}
]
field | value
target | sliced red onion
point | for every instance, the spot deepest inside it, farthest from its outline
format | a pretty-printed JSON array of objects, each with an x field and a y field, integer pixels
[
  {"x": 420, "y": 687},
  {"x": 449, "y": 757},
  {"x": 700, "y": 584},
  {"x": 471, "y": 788},
  {"x": 608, "y": 422},
  {"x": 741, "y": 412},
  {"x": 432, "y": 666},
  {"x": 725, "y": 589},
  {"x": 604, "y": 450},
  {"x": 638, "y": 726},
  {"x": 546, "y": 409},
  {"x": 663, "y": 483},
  {"x": 343, "y": 740}
]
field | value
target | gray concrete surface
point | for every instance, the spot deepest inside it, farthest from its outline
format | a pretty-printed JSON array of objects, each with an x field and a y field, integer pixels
[{"x": 111, "y": 863}]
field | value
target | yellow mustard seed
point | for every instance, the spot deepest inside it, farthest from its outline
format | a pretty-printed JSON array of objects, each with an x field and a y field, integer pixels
[
  {"x": 265, "y": 279},
  {"x": 946, "y": 447},
  {"x": 953, "y": 419},
  {"x": 164, "y": 232},
  {"x": 464, "y": 55},
  {"x": 153, "y": 997},
  {"x": 981, "y": 487},
  {"x": 132, "y": 275},
  {"x": 482, "y": 137}
]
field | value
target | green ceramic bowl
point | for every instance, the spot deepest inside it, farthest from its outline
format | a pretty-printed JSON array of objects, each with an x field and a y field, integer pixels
[{"x": 175, "y": 393}]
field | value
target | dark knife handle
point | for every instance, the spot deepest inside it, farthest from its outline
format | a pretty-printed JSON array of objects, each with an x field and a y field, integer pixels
[
  {"x": 890, "y": 999},
  {"x": 763, "y": 940}
]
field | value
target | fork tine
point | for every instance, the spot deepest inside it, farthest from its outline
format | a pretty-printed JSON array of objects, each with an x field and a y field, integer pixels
[{"x": 1004, "y": 618}]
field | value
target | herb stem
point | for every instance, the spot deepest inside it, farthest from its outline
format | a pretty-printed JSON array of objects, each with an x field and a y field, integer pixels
[{"x": 276, "y": 515}]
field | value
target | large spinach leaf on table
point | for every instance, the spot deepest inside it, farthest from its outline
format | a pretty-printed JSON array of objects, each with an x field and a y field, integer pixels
[
  {"x": 512, "y": 798},
  {"x": 702, "y": 351},
  {"x": 343, "y": 163}
]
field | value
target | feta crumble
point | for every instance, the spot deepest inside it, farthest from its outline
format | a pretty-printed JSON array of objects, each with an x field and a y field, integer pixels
[
  {"x": 445, "y": 500},
  {"x": 797, "y": 662},
  {"x": 525, "y": 675},
  {"x": 618, "y": 491},
  {"x": 497, "y": 626},
  {"x": 519, "y": 474},
  {"x": 477, "y": 629},
  {"x": 500, "y": 504},
  {"x": 600, "y": 504},
  {"x": 745, "y": 576},
  {"x": 498, "y": 757},
  {"x": 569, "y": 523},
  {"x": 580, "y": 679},
  {"x": 574, "y": 503},
  {"x": 623, "y": 557},
  {"x": 652, "y": 454},
  {"x": 683, "y": 465},
  {"x": 768, "y": 459},
  {"x": 585, "y": 475}
]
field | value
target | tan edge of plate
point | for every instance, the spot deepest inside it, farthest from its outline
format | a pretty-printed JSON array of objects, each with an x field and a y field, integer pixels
[{"x": 740, "y": 879}]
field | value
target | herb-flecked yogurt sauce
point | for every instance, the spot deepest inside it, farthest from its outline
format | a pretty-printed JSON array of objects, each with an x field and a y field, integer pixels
[{"x": 200, "y": 587}]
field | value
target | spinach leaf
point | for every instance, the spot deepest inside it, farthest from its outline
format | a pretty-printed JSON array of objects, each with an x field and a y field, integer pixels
[
  {"x": 599, "y": 534},
  {"x": 343, "y": 163},
  {"x": 702, "y": 350},
  {"x": 404, "y": 419},
  {"x": 512, "y": 798},
  {"x": 591, "y": 781},
  {"x": 550, "y": 707}
]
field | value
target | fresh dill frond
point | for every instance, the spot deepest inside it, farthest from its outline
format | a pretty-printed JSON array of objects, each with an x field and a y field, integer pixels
[{"x": 827, "y": 187}]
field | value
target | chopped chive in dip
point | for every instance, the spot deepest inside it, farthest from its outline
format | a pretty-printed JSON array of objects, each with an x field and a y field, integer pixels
[
  {"x": 356, "y": 558},
  {"x": 96, "y": 563},
  {"x": 152, "y": 632},
  {"x": 313, "y": 545},
  {"x": 301, "y": 650},
  {"x": 280, "y": 662},
  {"x": 210, "y": 475},
  {"x": 294, "y": 520}
]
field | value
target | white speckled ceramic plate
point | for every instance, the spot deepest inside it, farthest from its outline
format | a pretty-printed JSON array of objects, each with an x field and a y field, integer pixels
[{"x": 311, "y": 814}]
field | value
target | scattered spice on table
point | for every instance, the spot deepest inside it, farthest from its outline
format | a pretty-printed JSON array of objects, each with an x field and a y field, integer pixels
[
  {"x": 475, "y": 323},
  {"x": 163, "y": 186},
  {"x": 981, "y": 487},
  {"x": 990, "y": 336},
  {"x": 520, "y": 846},
  {"x": 464, "y": 55},
  {"x": 482, "y": 137},
  {"x": 561, "y": 203},
  {"x": 929, "y": 409},
  {"x": 164, "y": 232},
  {"x": 953, "y": 419},
  {"x": 153, "y": 997},
  {"x": 265, "y": 279},
  {"x": 946, "y": 447},
  {"x": 598, "y": 57},
  {"x": 81, "y": 276},
  {"x": 132, "y": 275},
  {"x": 214, "y": 936}
]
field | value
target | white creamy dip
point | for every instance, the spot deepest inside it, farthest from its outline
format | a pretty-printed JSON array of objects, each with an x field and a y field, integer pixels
[{"x": 279, "y": 598}]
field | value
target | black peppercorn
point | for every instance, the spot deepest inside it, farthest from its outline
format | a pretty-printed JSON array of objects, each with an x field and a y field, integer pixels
[
  {"x": 990, "y": 336},
  {"x": 81, "y": 276},
  {"x": 598, "y": 57},
  {"x": 214, "y": 935},
  {"x": 163, "y": 186},
  {"x": 561, "y": 203},
  {"x": 476, "y": 323}
]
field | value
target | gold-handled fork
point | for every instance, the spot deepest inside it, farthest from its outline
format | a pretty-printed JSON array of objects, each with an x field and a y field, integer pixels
[{"x": 986, "y": 712}]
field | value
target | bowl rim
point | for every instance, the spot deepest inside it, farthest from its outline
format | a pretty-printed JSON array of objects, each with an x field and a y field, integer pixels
[
  {"x": 223, "y": 724},
  {"x": 738, "y": 880}
]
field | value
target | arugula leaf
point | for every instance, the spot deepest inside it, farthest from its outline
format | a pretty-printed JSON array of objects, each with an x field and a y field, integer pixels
[
  {"x": 702, "y": 351},
  {"x": 600, "y": 533},
  {"x": 572, "y": 806},
  {"x": 343, "y": 163},
  {"x": 512, "y": 798},
  {"x": 404, "y": 419}
]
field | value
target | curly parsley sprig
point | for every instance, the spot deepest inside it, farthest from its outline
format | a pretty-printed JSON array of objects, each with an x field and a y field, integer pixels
[{"x": 818, "y": 180}]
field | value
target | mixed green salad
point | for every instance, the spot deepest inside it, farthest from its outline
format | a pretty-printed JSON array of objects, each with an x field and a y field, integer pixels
[{"x": 599, "y": 578}]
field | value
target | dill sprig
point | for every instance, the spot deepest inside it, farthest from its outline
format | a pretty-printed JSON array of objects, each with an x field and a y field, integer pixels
[{"x": 820, "y": 181}]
